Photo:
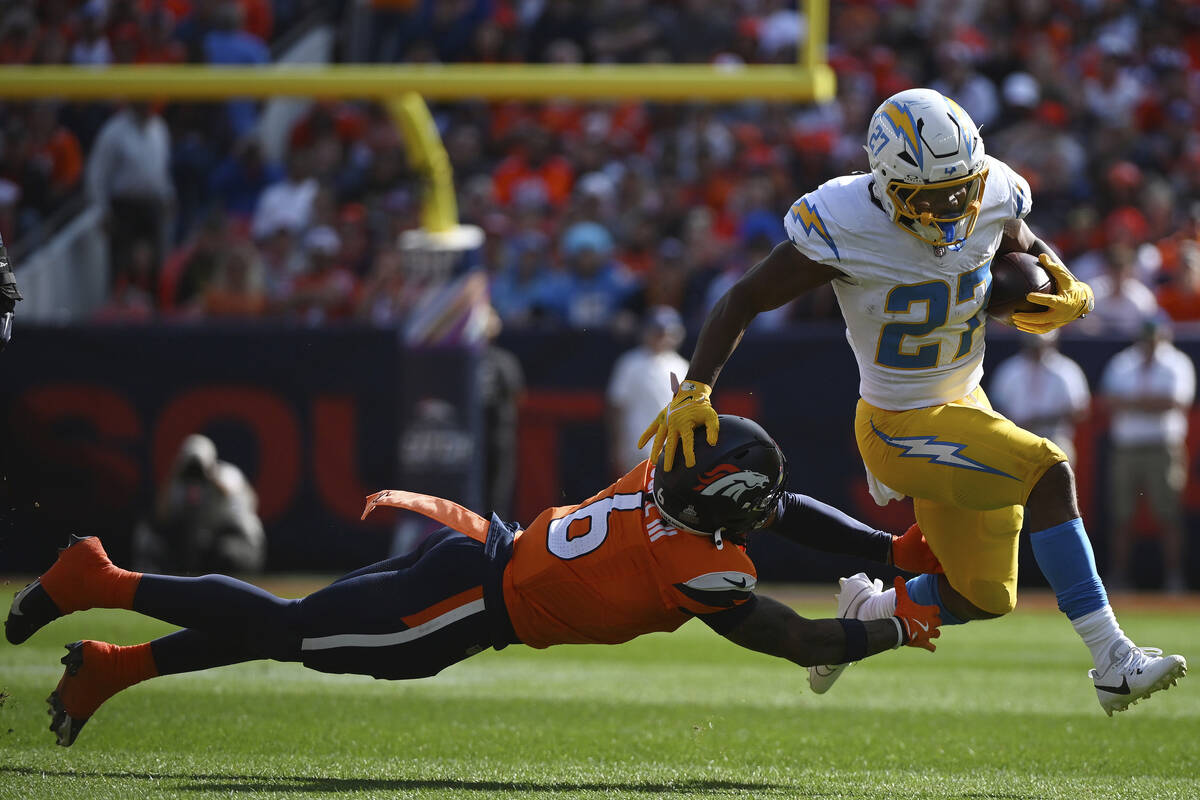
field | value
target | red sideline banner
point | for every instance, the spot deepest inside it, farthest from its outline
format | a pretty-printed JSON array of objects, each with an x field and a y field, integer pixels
[{"x": 316, "y": 418}]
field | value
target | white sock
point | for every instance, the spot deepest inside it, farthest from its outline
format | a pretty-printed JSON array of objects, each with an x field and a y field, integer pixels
[
  {"x": 878, "y": 606},
  {"x": 1099, "y": 631}
]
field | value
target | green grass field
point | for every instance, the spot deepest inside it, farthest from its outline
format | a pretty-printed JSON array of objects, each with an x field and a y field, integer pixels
[{"x": 1004, "y": 709}]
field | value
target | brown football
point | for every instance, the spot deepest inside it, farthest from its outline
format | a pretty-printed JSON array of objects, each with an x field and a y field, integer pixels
[{"x": 1015, "y": 275}]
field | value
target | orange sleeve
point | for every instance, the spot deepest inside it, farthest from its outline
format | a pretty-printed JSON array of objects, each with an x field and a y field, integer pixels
[
  {"x": 700, "y": 579},
  {"x": 714, "y": 591}
]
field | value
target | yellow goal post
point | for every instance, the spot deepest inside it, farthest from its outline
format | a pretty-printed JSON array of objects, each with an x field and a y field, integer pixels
[{"x": 404, "y": 88}]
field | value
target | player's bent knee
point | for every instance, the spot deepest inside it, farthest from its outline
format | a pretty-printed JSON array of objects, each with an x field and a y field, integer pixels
[
  {"x": 278, "y": 635},
  {"x": 992, "y": 597}
]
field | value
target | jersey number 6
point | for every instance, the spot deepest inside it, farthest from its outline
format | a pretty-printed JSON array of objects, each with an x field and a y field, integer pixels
[{"x": 586, "y": 528}]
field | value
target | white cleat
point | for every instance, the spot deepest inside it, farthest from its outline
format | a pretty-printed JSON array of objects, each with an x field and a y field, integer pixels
[
  {"x": 1134, "y": 673},
  {"x": 854, "y": 592}
]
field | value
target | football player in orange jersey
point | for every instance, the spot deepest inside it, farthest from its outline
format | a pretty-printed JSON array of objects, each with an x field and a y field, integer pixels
[{"x": 646, "y": 554}]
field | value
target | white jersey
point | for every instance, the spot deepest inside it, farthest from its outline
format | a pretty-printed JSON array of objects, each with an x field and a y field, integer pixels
[{"x": 914, "y": 319}]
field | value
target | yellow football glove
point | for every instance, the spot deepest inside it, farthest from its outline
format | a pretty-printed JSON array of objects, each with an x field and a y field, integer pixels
[
  {"x": 1072, "y": 300},
  {"x": 688, "y": 409}
]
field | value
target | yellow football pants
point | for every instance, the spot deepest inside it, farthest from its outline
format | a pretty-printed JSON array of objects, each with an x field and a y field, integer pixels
[{"x": 969, "y": 471}]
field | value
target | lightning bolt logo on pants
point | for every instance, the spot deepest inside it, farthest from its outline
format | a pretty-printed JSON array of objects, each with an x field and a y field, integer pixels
[{"x": 938, "y": 452}]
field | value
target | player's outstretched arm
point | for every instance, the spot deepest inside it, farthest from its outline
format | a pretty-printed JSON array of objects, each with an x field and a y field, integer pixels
[
  {"x": 807, "y": 521},
  {"x": 777, "y": 630},
  {"x": 782, "y": 276}
]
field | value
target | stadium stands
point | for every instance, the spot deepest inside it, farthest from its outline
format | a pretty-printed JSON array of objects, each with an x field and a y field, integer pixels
[{"x": 1094, "y": 103}]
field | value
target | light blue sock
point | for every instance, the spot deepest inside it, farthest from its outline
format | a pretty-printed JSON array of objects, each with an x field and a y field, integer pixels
[
  {"x": 1065, "y": 557},
  {"x": 923, "y": 589}
]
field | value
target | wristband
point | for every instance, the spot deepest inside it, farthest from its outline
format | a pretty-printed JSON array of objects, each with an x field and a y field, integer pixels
[{"x": 856, "y": 640}]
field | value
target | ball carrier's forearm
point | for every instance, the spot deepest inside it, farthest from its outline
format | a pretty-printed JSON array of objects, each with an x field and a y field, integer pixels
[
  {"x": 719, "y": 337},
  {"x": 1018, "y": 237},
  {"x": 1037, "y": 247},
  {"x": 781, "y": 277}
]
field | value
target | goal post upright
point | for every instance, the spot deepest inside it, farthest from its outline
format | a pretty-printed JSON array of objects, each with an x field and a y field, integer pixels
[{"x": 428, "y": 156}]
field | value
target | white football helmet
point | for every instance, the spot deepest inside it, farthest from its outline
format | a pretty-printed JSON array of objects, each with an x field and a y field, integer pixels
[{"x": 927, "y": 159}]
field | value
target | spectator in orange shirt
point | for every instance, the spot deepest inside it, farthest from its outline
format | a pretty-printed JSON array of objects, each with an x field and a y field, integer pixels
[
  {"x": 534, "y": 172},
  {"x": 191, "y": 268},
  {"x": 58, "y": 147},
  {"x": 238, "y": 290},
  {"x": 258, "y": 18},
  {"x": 1179, "y": 297},
  {"x": 125, "y": 41},
  {"x": 17, "y": 39}
]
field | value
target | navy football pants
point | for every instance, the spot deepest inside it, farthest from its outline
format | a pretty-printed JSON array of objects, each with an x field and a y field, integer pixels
[{"x": 406, "y": 617}]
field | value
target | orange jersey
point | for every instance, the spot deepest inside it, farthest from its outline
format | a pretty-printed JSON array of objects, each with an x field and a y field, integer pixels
[{"x": 609, "y": 569}]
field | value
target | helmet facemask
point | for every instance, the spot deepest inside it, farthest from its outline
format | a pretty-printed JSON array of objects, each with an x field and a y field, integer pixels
[{"x": 942, "y": 213}]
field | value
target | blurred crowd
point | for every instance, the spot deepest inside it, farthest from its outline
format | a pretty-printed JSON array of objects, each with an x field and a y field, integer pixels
[
  {"x": 44, "y": 146},
  {"x": 594, "y": 212}
]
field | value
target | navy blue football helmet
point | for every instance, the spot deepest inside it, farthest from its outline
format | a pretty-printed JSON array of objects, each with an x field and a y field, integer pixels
[{"x": 733, "y": 488}]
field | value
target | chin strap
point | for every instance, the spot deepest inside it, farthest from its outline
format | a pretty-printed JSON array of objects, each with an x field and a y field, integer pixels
[{"x": 717, "y": 538}]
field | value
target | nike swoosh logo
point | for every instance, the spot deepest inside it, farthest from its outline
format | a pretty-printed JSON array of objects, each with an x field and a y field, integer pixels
[
  {"x": 924, "y": 627},
  {"x": 740, "y": 583},
  {"x": 1122, "y": 689},
  {"x": 15, "y": 610}
]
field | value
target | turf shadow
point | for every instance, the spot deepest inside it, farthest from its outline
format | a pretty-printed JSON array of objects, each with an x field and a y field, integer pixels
[
  {"x": 225, "y": 784},
  {"x": 302, "y": 783},
  {"x": 568, "y": 788}
]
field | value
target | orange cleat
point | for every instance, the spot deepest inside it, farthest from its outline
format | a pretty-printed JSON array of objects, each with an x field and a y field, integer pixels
[
  {"x": 95, "y": 671},
  {"x": 83, "y": 577}
]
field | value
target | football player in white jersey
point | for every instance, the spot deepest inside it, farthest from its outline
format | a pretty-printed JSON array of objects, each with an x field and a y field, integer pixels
[{"x": 908, "y": 248}]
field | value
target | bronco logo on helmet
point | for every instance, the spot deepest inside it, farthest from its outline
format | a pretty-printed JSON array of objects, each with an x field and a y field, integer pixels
[
  {"x": 729, "y": 481},
  {"x": 731, "y": 489}
]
